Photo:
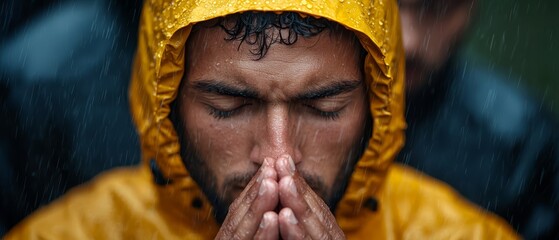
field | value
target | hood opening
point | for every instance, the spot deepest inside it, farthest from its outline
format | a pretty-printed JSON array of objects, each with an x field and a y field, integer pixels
[{"x": 159, "y": 68}]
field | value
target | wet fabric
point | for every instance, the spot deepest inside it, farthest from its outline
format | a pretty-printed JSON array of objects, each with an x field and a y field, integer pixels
[{"x": 159, "y": 199}]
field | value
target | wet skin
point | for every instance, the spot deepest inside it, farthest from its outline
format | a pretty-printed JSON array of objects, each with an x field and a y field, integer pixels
[{"x": 274, "y": 136}]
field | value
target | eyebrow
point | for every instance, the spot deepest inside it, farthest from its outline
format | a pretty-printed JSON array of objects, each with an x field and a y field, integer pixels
[
  {"x": 216, "y": 87},
  {"x": 330, "y": 90}
]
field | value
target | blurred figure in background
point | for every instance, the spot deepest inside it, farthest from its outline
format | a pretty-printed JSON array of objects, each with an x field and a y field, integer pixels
[
  {"x": 276, "y": 124},
  {"x": 65, "y": 67},
  {"x": 64, "y": 72},
  {"x": 468, "y": 127}
]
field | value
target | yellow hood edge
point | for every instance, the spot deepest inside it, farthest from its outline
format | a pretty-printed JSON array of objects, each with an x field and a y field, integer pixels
[{"x": 159, "y": 67}]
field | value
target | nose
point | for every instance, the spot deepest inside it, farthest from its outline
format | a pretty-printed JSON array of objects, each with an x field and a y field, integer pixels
[{"x": 275, "y": 136}]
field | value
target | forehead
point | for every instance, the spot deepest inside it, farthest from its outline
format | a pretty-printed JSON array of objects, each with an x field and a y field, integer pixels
[
  {"x": 330, "y": 55},
  {"x": 224, "y": 32}
]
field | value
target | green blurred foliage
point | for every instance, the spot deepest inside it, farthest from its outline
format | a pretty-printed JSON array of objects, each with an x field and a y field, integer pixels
[{"x": 521, "y": 39}]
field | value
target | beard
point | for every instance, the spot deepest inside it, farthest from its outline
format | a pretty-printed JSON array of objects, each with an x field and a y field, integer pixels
[{"x": 222, "y": 197}]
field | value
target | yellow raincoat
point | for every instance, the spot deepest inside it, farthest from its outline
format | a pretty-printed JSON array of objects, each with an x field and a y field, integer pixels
[{"x": 381, "y": 202}]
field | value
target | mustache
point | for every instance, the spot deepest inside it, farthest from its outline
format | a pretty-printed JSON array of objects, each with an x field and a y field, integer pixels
[{"x": 241, "y": 180}]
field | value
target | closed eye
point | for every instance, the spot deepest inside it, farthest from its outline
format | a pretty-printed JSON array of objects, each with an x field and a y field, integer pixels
[
  {"x": 223, "y": 100},
  {"x": 225, "y": 113},
  {"x": 226, "y": 107},
  {"x": 326, "y": 113}
]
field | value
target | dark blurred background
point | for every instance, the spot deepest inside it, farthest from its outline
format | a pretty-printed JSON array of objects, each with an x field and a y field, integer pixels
[
  {"x": 65, "y": 67},
  {"x": 520, "y": 38},
  {"x": 64, "y": 70}
]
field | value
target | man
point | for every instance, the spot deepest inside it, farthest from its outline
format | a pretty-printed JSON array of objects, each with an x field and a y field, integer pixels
[
  {"x": 268, "y": 120},
  {"x": 469, "y": 128}
]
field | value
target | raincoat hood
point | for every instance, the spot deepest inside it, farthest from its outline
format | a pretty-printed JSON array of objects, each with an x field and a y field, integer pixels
[
  {"x": 160, "y": 200},
  {"x": 159, "y": 68}
]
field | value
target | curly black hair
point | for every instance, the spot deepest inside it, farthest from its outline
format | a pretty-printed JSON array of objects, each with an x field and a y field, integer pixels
[{"x": 262, "y": 29}]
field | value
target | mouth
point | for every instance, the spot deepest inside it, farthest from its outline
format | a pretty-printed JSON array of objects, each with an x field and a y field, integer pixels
[{"x": 235, "y": 185}]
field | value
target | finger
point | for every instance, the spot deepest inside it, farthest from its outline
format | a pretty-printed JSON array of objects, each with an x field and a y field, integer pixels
[
  {"x": 268, "y": 170},
  {"x": 259, "y": 196},
  {"x": 289, "y": 226},
  {"x": 241, "y": 203},
  {"x": 312, "y": 217},
  {"x": 242, "y": 222},
  {"x": 269, "y": 227},
  {"x": 267, "y": 200},
  {"x": 285, "y": 166}
]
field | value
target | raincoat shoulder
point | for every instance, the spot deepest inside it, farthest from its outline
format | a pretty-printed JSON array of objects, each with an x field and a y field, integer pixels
[
  {"x": 119, "y": 204},
  {"x": 138, "y": 204},
  {"x": 425, "y": 208}
]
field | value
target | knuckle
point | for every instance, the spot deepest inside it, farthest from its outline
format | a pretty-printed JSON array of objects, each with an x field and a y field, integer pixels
[
  {"x": 224, "y": 233},
  {"x": 250, "y": 214},
  {"x": 235, "y": 204},
  {"x": 308, "y": 212},
  {"x": 328, "y": 219},
  {"x": 302, "y": 235},
  {"x": 241, "y": 201},
  {"x": 324, "y": 236},
  {"x": 239, "y": 235}
]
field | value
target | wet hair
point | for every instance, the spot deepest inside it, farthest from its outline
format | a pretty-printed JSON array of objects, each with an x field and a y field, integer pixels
[{"x": 262, "y": 29}]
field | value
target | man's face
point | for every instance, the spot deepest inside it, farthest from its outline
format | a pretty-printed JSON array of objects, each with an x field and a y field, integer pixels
[
  {"x": 431, "y": 29},
  {"x": 307, "y": 100}
]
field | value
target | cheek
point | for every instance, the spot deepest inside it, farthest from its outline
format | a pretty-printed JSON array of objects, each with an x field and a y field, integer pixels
[
  {"x": 328, "y": 146},
  {"x": 219, "y": 144}
]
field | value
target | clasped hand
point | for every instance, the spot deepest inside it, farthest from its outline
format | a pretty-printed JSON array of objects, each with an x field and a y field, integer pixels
[{"x": 278, "y": 203}]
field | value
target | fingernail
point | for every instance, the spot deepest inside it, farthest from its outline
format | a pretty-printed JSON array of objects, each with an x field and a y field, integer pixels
[
  {"x": 291, "y": 218},
  {"x": 268, "y": 161},
  {"x": 262, "y": 189},
  {"x": 264, "y": 172},
  {"x": 291, "y": 164},
  {"x": 292, "y": 187}
]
